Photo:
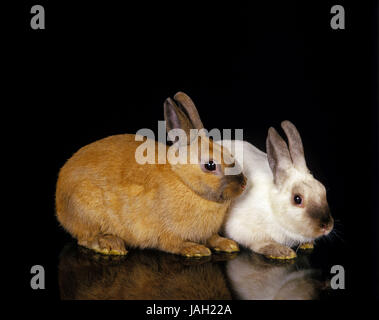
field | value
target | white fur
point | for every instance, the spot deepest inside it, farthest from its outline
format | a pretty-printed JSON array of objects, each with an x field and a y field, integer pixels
[
  {"x": 264, "y": 213},
  {"x": 266, "y": 281}
]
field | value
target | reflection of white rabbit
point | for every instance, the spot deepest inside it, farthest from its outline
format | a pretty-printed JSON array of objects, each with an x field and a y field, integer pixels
[
  {"x": 253, "y": 278},
  {"x": 283, "y": 204}
]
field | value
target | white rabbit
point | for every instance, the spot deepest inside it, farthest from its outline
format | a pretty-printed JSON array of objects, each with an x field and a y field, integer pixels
[{"x": 283, "y": 204}]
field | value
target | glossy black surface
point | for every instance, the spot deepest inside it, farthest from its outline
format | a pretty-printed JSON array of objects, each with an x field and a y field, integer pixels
[
  {"x": 103, "y": 68},
  {"x": 154, "y": 275}
]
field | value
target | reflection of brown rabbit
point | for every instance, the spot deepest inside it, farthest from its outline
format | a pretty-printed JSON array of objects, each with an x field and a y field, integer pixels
[
  {"x": 106, "y": 199},
  {"x": 253, "y": 277},
  {"x": 142, "y": 275}
]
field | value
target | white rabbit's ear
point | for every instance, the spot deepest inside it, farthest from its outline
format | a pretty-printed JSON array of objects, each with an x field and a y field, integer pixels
[
  {"x": 295, "y": 145},
  {"x": 176, "y": 119},
  {"x": 190, "y": 109},
  {"x": 278, "y": 156}
]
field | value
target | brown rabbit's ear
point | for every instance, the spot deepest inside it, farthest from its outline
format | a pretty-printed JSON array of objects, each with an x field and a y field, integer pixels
[
  {"x": 278, "y": 156},
  {"x": 190, "y": 109},
  {"x": 295, "y": 145},
  {"x": 176, "y": 118}
]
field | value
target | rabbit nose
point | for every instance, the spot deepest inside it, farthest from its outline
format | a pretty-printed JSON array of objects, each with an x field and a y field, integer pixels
[
  {"x": 323, "y": 225},
  {"x": 326, "y": 224}
]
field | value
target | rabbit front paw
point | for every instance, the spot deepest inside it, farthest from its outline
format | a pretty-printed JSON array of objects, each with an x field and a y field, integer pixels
[
  {"x": 195, "y": 250},
  {"x": 277, "y": 251},
  {"x": 106, "y": 244},
  {"x": 221, "y": 244},
  {"x": 307, "y": 246}
]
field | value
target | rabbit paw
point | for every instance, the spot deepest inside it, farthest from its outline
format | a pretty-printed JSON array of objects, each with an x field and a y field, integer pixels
[
  {"x": 195, "y": 250},
  {"x": 277, "y": 251},
  {"x": 107, "y": 244},
  {"x": 221, "y": 244},
  {"x": 306, "y": 246}
]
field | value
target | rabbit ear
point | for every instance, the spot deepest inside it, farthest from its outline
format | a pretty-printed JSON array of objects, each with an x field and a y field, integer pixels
[
  {"x": 176, "y": 118},
  {"x": 295, "y": 145},
  {"x": 190, "y": 109},
  {"x": 278, "y": 156}
]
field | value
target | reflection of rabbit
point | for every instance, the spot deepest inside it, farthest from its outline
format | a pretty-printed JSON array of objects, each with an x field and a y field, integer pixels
[
  {"x": 105, "y": 199},
  {"x": 142, "y": 275},
  {"x": 253, "y": 277},
  {"x": 283, "y": 205}
]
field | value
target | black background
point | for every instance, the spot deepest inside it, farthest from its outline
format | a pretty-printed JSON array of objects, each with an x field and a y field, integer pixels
[{"x": 102, "y": 68}]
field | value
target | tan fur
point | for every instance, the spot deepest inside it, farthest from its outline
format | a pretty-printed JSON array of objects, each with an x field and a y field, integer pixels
[
  {"x": 283, "y": 206},
  {"x": 103, "y": 191},
  {"x": 143, "y": 275}
]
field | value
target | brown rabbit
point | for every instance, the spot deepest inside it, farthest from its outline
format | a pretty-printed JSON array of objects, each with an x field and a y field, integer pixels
[
  {"x": 106, "y": 200},
  {"x": 143, "y": 275}
]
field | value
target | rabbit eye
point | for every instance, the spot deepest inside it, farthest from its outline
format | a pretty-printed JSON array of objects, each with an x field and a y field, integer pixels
[
  {"x": 210, "y": 166},
  {"x": 297, "y": 199}
]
